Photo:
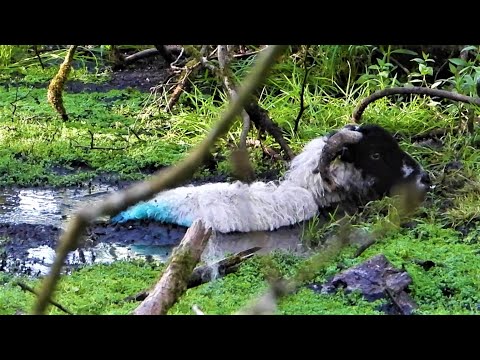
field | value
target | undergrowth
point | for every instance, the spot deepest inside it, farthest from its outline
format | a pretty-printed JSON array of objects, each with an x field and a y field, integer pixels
[{"x": 127, "y": 133}]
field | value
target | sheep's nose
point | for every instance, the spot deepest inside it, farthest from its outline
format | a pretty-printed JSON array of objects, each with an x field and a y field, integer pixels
[{"x": 425, "y": 180}]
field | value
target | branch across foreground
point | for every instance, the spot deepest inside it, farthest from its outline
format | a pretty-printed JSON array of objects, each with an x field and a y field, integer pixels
[{"x": 164, "y": 179}]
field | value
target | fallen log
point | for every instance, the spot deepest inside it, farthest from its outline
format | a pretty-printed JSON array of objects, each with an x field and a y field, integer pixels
[
  {"x": 203, "y": 274},
  {"x": 173, "y": 282}
]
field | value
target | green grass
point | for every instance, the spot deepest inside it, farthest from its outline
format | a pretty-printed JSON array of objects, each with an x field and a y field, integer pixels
[{"x": 138, "y": 136}]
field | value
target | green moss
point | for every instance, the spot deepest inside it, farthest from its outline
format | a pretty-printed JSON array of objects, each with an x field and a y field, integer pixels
[
  {"x": 98, "y": 289},
  {"x": 137, "y": 135}
]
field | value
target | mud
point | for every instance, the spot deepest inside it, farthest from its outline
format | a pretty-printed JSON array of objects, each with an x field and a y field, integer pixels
[
  {"x": 32, "y": 220},
  {"x": 142, "y": 75}
]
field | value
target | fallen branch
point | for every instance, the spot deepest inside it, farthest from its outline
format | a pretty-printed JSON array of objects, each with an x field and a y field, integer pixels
[
  {"x": 204, "y": 274},
  {"x": 357, "y": 114},
  {"x": 261, "y": 120},
  {"x": 25, "y": 287},
  {"x": 182, "y": 84},
  {"x": 143, "y": 54},
  {"x": 55, "y": 88},
  {"x": 175, "y": 277},
  {"x": 163, "y": 180}
]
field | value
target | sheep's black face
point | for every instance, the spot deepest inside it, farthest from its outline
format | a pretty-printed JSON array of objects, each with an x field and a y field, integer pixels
[{"x": 378, "y": 156}]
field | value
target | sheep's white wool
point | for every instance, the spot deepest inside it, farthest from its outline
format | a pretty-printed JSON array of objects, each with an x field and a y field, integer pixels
[{"x": 259, "y": 206}]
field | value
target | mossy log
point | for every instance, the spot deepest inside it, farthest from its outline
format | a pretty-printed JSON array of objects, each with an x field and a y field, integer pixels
[
  {"x": 203, "y": 274},
  {"x": 55, "y": 88},
  {"x": 174, "y": 280}
]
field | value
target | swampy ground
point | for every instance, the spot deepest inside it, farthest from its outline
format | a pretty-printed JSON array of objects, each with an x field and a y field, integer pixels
[{"x": 117, "y": 133}]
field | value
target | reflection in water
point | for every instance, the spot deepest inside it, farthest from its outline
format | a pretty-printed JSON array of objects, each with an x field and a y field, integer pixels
[
  {"x": 46, "y": 206},
  {"x": 40, "y": 259}
]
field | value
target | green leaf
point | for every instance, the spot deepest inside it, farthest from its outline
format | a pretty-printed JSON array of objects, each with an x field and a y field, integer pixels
[
  {"x": 469, "y": 48},
  {"x": 404, "y": 51},
  {"x": 458, "y": 62},
  {"x": 418, "y": 60}
]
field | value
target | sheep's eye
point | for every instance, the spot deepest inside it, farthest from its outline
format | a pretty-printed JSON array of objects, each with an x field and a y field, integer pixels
[{"x": 375, "y": 156}]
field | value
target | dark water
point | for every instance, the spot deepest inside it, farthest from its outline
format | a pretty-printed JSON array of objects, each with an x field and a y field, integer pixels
[{"x": 32, "y": 220}]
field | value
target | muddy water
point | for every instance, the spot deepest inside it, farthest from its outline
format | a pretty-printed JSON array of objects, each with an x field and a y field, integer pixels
[
  {"x": 31, "y": 221},
  {"x": 46, "y": 206}
]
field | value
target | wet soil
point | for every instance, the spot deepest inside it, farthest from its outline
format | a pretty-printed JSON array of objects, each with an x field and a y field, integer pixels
[
  {"x": 32, "y": 220},
  {"x": 142, "y": 75}
]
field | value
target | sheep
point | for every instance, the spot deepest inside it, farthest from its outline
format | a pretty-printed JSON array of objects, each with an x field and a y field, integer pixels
[{"x": 354, "y": 165}]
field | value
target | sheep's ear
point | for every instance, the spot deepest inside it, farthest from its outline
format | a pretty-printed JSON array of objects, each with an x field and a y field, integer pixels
[{"x": 346, "y": 154}]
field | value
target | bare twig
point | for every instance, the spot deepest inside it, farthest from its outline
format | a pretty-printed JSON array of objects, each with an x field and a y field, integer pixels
[
  {"x": 302, "y": 106},
  {"x": 173, "y": 282},
  {"x": 37, "y": 54},
  {"x": 261, "y": 120},
  {"x": 164, "y": 179},
  {"x": 357, "y": 114},
  {"x": 25, "y": 287},
  {"x": 182, "y": 84},
  {"x": 223, "y": 62},
  {"x": 178, "y": 58},
  {"x": 14, "y": 102}
]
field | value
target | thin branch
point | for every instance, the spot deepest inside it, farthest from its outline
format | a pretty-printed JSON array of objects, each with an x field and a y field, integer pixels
[
  {"x": 164, "y": 179},
  {"x": 98, "y": 147},
  {"x": 302, "y": 92},
  {"x": 37, "y": 54},
  {"x": 25, "y": 287},
  {"x": 223, "y": 61},
  {"x": 262, "y": 121},
  {"x": 182, "y": 85},
  {"x": 178, "y": 58},
  {"x": 14, "y": 102},
  {"x": 357, "y": 114}
]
